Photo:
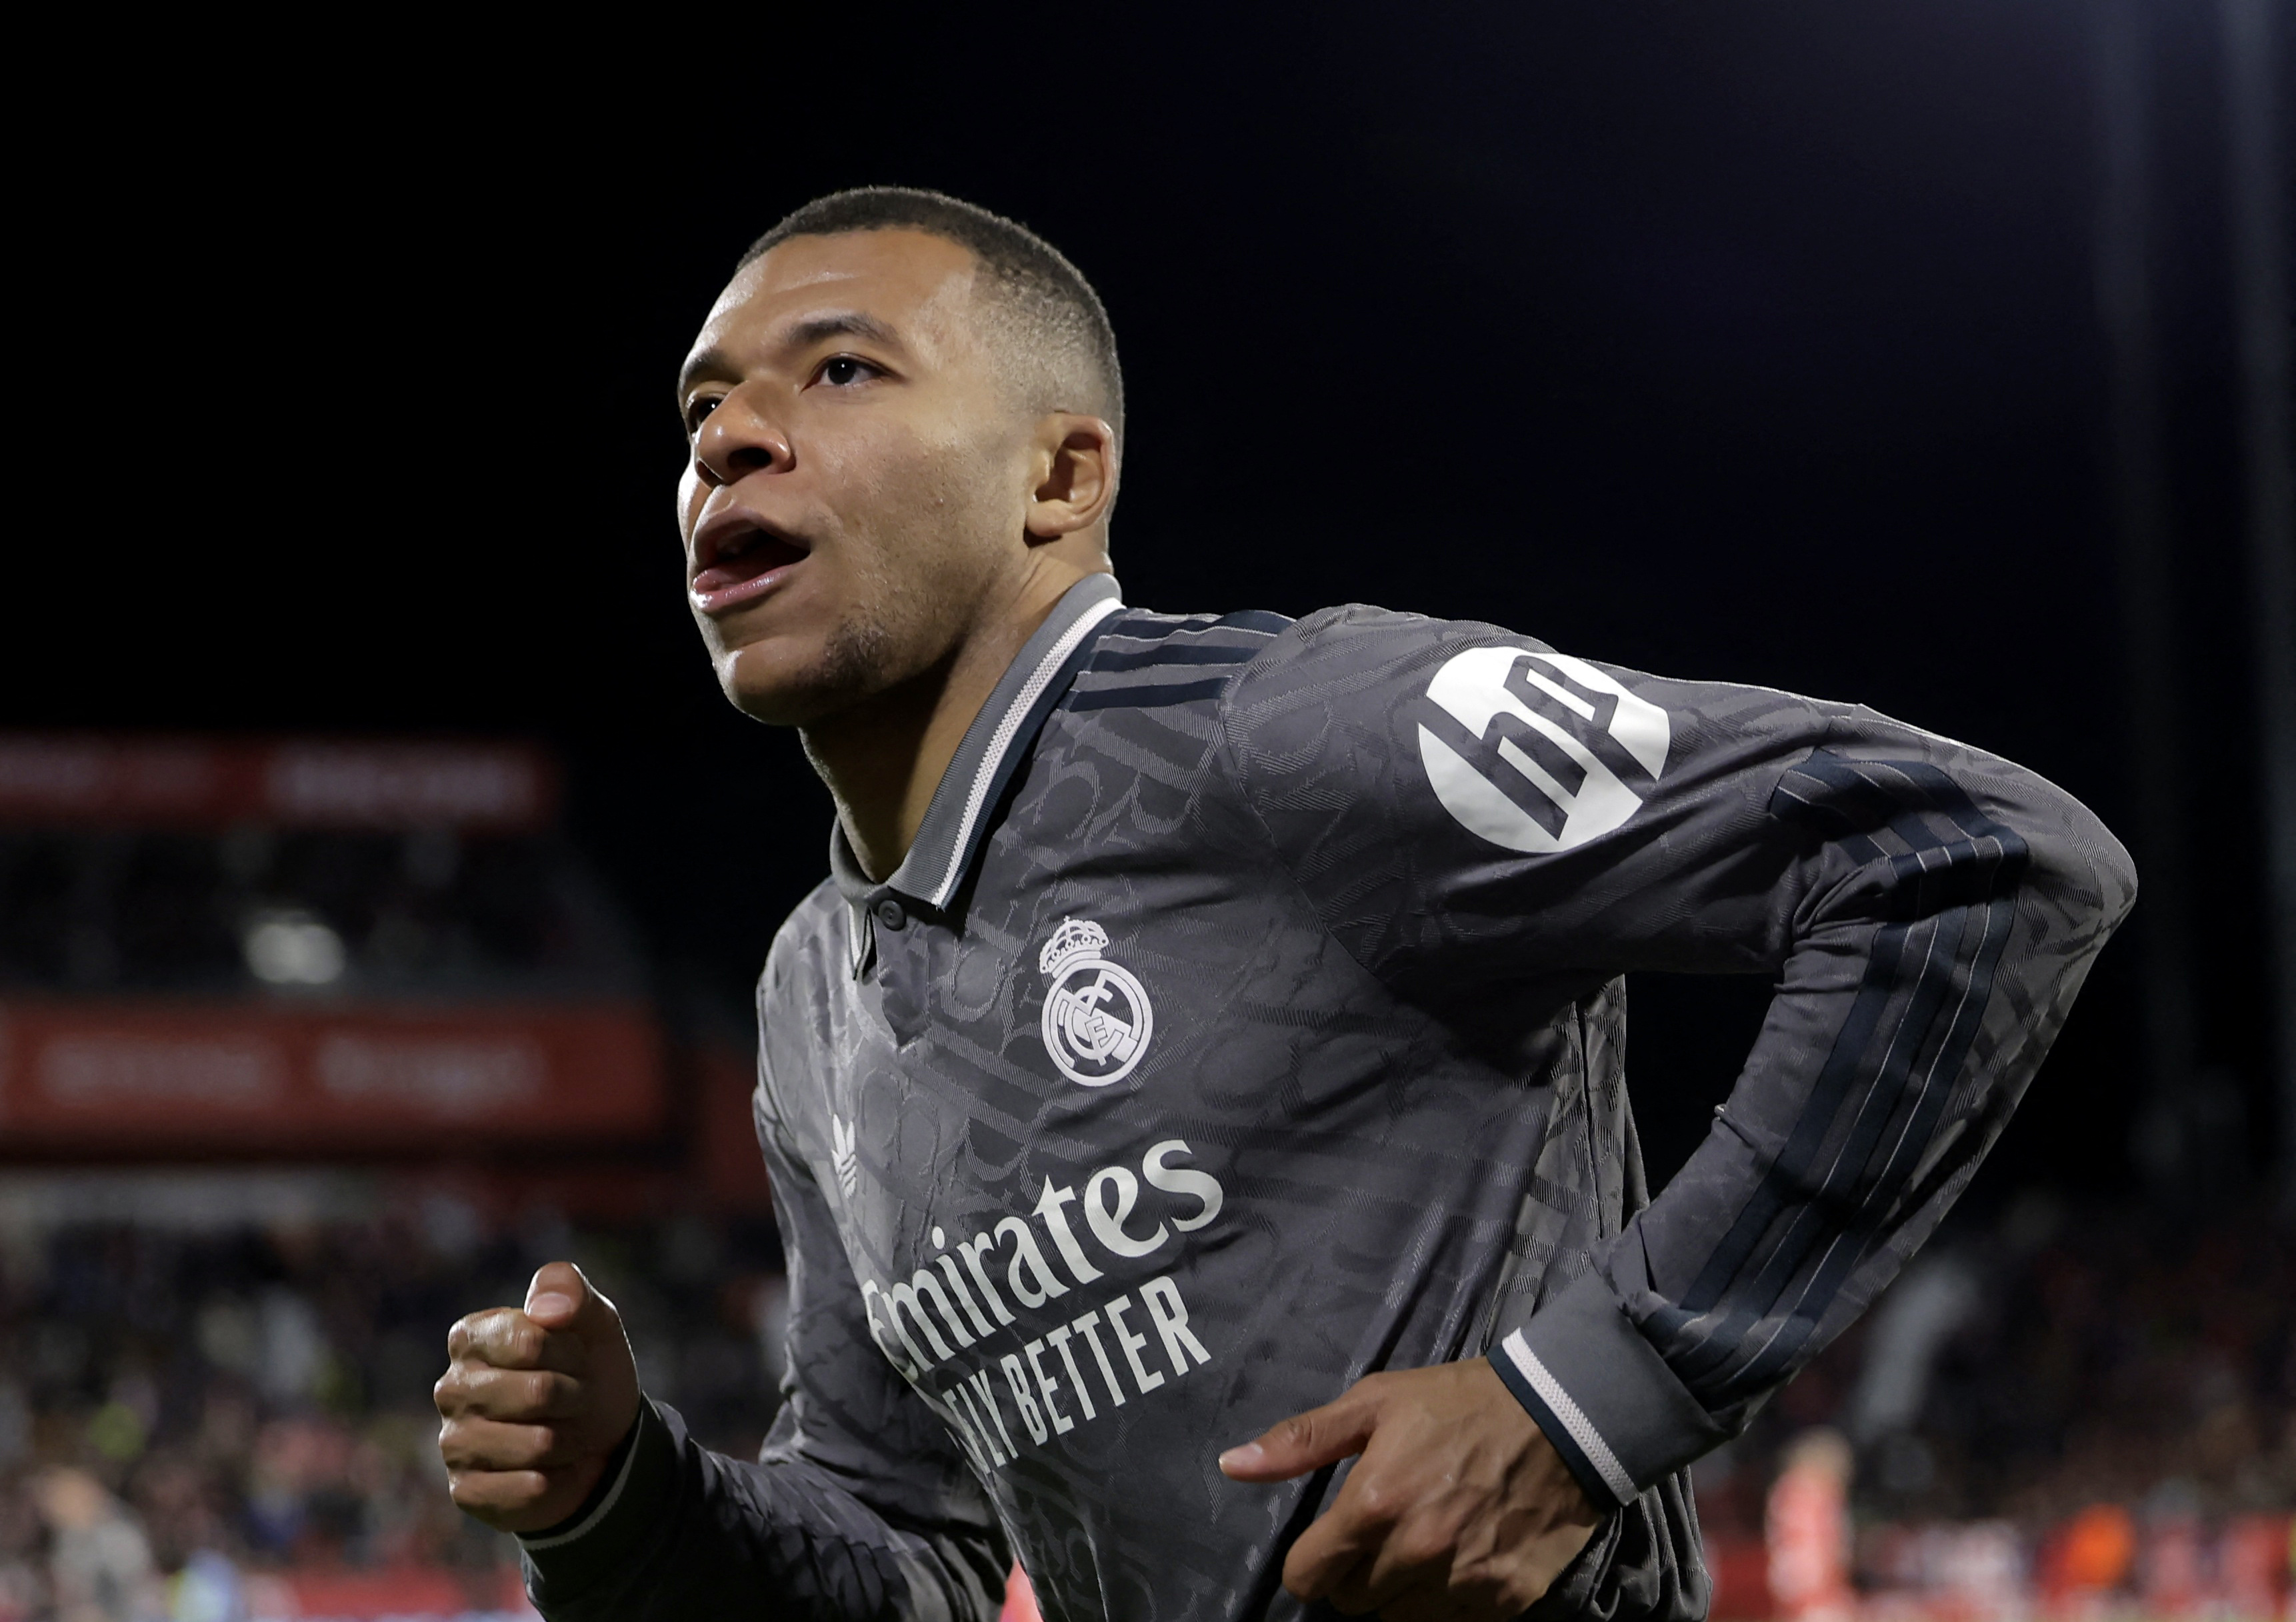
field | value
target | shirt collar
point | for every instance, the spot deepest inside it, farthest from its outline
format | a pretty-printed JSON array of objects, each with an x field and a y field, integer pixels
[{"x": 992, "y": 749}]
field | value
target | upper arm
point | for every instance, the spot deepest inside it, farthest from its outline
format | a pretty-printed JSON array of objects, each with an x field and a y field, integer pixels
[{"x": 1463, "y": 804}]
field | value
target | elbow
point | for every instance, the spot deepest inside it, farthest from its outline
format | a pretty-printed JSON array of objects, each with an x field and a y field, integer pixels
[
  {"x": 2118, "y": 882},
  {"x": 2077, "y": 867}
]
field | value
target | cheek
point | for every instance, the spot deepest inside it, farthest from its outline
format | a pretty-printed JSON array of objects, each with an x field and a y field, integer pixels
[
  {"x": 690, "y": 497},
  {"x": 943, "y": 499}
]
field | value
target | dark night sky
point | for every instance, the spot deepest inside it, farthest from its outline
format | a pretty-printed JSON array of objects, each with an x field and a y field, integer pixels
[{"x": 1752, "y": 342}]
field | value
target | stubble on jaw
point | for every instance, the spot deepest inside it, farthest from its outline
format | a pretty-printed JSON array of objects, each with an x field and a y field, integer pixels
[
  {"x": 853, "y": 668},
  {"x": 862, "y": 656},
  {"x": 850, "y": 668}
]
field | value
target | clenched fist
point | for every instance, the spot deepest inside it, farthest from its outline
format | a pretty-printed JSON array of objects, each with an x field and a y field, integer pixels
[{"x": 533, "y": 1402}]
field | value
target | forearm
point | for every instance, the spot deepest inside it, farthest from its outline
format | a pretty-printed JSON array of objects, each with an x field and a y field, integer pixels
[
  {"x": 1461, "y": 805},
  {"x": 676, "y": 1532},
  {"x": 1940, "y": 941}
]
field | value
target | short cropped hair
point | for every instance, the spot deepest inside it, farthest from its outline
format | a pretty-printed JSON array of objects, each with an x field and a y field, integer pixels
[{"x": 1057, "y": 334}]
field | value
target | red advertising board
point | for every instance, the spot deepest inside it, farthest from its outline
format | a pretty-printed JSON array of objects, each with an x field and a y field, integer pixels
[
  {"x": 79, "y": 779},
  {"x": 159, "y": 1076}
]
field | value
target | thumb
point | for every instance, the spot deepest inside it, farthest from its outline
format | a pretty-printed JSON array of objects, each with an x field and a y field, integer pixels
[
  {"x": 561, "y": 1298},
  {"x": 1305, "y": 1441}
]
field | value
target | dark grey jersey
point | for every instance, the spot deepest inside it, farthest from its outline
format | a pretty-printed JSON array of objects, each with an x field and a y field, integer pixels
[{"x": 1247, "y": 1018}]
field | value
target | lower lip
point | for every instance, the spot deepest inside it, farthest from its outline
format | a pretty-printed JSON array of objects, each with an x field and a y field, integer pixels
[{"x": 725, "y": 599}]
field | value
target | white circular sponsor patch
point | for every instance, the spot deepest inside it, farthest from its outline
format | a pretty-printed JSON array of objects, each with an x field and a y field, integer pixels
[
  {"x": 1543, "y": 750},
  {"x": 1097, "y": 1020}
]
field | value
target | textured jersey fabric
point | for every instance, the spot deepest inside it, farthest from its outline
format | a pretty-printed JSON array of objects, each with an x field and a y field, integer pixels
[{"x": 1248, "y": 1019}]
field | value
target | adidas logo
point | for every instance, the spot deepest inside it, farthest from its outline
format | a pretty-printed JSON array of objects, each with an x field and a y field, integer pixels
[{"x": 844, "y": 1156}]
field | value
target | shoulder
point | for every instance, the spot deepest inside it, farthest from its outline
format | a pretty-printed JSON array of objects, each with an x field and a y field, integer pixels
[
  {"x": 1356, "y": 665},
  {"x": 806, "y": 946},
  {"x": 1145, "y": 660},
  {"x": 793, "y": 991}
]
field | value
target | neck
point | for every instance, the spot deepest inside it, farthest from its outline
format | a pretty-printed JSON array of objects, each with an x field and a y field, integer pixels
[{"x": 883, "y": 757}]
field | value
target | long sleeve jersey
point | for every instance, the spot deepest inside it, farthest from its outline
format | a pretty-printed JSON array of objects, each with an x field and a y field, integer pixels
[{"x": 1248, "y": 1019}]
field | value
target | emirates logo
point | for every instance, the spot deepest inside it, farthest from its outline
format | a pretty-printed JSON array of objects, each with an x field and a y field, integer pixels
[{"x": 1098, "y": 1019}]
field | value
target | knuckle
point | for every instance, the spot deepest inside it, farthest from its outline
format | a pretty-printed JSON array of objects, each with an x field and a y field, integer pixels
[
  {"x": 1377, "y": 1502},
  {"x": 1298, "y": 1432},
  {"x": 509, "y": 1397},
  {"x": 1419, "y": 1545},
  {"x": 511, "y": 1450}
]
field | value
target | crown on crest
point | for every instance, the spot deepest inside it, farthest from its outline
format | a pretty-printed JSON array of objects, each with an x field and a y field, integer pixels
[{"x": 1076, "y": 937}]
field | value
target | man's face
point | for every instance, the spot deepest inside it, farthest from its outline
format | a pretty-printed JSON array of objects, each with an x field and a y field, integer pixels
[{"x": 859, "y": 481}]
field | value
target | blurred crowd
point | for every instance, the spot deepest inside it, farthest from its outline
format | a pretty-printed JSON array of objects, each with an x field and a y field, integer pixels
[
  {"x": 183, "y": 1414},
  {"x": 112, "y": 910},
  {"x": 2061, "y": 1397},
  {"x": 2065, "y": 1401}
]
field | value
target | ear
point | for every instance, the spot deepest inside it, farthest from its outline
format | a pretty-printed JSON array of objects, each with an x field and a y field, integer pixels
[{"x": 1074, "y": 465}]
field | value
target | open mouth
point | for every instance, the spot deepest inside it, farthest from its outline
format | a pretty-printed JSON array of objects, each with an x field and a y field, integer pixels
[{"x": 738, "y": 560}]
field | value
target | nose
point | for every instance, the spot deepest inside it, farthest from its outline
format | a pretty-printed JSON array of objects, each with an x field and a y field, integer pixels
[{"x": 739, "y": 439}]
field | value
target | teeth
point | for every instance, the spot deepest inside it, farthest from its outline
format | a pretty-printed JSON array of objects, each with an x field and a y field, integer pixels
[{"x": 735, "y": 545}]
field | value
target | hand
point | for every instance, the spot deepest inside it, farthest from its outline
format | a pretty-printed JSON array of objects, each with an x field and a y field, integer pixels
[
  {"x": 1460, "y": 1508},
  {"x": 534, "y": 1401}
]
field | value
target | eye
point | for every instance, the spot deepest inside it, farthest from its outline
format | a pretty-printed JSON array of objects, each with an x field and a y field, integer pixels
[
  {"x": 698, "y": 409},
  {"x": 843, "y": 371}
]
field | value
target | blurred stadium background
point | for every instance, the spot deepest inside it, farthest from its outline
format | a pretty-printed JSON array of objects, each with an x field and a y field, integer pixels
[
  {"x": 314, "y": 962},
  {"x": 382, "y": 875}
]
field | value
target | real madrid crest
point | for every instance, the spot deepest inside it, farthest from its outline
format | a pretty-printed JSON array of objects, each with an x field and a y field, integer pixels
[{"x": 1097, "y": 1019}]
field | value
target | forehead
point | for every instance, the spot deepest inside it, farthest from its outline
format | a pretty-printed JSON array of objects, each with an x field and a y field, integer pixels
[{"x": 919, "y": 285}]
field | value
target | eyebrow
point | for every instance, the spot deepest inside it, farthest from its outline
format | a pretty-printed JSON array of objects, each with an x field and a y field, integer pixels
[{"x": 836, "y": 323}]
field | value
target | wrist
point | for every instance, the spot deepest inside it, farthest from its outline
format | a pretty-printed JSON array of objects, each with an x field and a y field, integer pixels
[
  {"x": 578, "y": 1489},
  {"x": 635, "y": 1498}
]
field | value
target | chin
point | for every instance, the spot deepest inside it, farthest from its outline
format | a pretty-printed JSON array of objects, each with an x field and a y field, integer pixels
[
  {"x": 782, "y": 707},
  {"x": 783, "y": 689},
  {"x": 782, "y": 703}
]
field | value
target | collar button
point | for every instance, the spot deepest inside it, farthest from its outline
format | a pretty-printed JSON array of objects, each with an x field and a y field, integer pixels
[{"x": 890, "y": 914}]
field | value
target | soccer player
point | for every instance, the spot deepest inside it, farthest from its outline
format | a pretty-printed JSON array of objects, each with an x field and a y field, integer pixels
[{"x": 1194, "y": 1101}]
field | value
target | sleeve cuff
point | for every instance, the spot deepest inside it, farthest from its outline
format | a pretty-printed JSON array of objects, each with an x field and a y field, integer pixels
[
  {"x": 619, "y": 1517},
  {"x": 1605, "y": 1397}
]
